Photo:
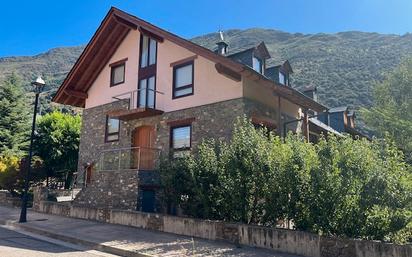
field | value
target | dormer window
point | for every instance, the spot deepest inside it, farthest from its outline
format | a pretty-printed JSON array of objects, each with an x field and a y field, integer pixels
[
  {"x": 282, "y": 78},
  {"x": 257, "y": 64}
]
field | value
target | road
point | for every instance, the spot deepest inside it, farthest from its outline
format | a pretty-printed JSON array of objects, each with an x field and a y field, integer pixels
[{"x": 14, "y": 244}]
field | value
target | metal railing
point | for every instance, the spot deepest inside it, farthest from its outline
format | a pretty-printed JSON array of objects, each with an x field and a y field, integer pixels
[
  {"x": 132, "y": 98},
  {"x": 132, "y": 158}
]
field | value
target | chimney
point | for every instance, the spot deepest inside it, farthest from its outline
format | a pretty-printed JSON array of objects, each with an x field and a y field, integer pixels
[
  {"x": 221, "y": 44},
  {"x": 311, "y": 92}
]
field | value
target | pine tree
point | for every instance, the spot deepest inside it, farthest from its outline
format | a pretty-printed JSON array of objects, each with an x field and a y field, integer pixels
[{"x": 14, "y": 116}]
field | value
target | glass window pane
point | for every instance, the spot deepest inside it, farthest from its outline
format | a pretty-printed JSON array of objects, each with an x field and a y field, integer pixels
[
  {"x": 151, "y": 92},
  {"x": 185, "y": 91},
  {"x": 118, "y": 74},
  {"x": 257, "y": 64},
  {"x": 113, "y": 125},
  {"x": 181, "y": 137},
  {"x": 153, "y": 50},
  {"x": 184, "y": 76},
  {"x": 144, "y": 52},
  {"x": 281, "y": 78},
  {"x": 142, "y": 92}
]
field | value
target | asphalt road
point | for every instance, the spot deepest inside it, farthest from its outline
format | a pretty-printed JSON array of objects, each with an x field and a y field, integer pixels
[{"x": 14, "y": 244}]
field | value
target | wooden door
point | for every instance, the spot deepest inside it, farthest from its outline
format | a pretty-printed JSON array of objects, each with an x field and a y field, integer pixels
[{"x": 145, "y": 154}]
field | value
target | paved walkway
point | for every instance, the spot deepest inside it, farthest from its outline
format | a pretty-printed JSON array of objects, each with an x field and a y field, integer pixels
[
  {"x": 123, "y": 240},
  {"x": 17, "y": 244}
]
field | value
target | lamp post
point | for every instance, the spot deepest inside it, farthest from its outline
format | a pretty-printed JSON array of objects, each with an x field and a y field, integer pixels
[{"x": 38, "y": 88}]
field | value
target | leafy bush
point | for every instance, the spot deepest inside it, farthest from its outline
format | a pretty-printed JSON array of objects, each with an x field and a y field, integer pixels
[
  {"x": 10, "y": 176},
  {"x": 341, "y": 186}
]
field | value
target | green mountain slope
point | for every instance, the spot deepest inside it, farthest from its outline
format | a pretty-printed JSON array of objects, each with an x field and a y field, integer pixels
[{"x": 343, "y": 65}]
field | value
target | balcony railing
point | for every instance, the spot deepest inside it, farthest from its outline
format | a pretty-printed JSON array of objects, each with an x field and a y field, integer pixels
[
  {"x": 133, "y": 158},
  {"x": 140, "y": 103}
]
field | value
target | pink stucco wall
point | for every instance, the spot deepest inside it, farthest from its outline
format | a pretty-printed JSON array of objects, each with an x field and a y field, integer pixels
[{"x": 209, "y": 85}]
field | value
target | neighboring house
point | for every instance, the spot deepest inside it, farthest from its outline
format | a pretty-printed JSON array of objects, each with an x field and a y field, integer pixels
[
  {"x": 147, "y": 92},
  {"x": 338, "y": 120}
]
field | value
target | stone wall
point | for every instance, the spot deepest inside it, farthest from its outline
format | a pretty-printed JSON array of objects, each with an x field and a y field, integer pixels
[
  {"x": 110, "y": 189},
  {"x": 120, "y": 189},
  {"x": 6, "y": 199},
  {"x": 210, "y": 121},
  {"x": 283, "y": 240}
]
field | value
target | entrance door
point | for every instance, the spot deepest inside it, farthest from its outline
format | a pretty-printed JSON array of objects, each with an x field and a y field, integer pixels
[
  {"x": 148, "y": 200},
  {"x": 144, "y": 155}
]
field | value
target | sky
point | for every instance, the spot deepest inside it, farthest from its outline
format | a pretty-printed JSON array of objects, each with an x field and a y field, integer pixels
[{"x": 33, "y": 27}]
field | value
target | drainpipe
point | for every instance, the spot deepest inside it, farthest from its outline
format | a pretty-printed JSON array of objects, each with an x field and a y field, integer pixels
[{"x": 306, "y": 124}]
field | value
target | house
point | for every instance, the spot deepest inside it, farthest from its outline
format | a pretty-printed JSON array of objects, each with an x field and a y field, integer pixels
[
  {"x": 341, "y": 119},
  {"x": 147, "y": 92}
]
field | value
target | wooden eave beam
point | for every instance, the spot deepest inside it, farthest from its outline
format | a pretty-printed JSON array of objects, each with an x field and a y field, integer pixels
[
  {"x": 125, "y": 22},
  {"x": 151, "y": 34},
  {"x": 75, "y": 93},
  {"x": 224, "y": 70},
  {"x": 103, "y": 56}
]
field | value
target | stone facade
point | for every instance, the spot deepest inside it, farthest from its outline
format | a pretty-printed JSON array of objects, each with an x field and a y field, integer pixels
[
  {"x": 111, "y": 189},
  {"x": 119, "y": 189}
]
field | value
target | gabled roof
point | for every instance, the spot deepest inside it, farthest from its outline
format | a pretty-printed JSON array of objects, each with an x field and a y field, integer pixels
[
  {"x": 338, "y": 109},
  {"x": 111, "y": 32},
  {"x": 323, "y": 126},
  {"x": 261, "y": 49},
  {"x": 285, "y": 65}
]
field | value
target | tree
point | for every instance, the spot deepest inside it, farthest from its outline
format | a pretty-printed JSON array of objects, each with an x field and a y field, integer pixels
[
  {"x": 339, "y": 187},
  {"x": 57, "y": 144},
  {"x": 391, "y": 114},
  {"x": 14, "y": 116},
  {"x": 12, "y": 170}
]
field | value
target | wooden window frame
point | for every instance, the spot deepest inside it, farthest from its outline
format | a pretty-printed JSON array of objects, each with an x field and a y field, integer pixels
[
  {"x": 115, "y": 65},
  {"x": 147, "y": 67},
  {"x": 174, "y": 89},
  {"x": 171, "y": 137},
  {"x": 106, "y": 134},
  {"x": 147, "y": 92}
]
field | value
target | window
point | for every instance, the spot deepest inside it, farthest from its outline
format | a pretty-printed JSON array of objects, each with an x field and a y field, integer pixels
[
  {"x": 183, "y": 79},
  {"x": 257, "y": 64},
  {"x": 146, "y": 93},
  {"x": 282, "y": 78},
  {"x": 117, "y": 74},
  {"x": 148, "y": 51},
  {"x": 112, "y": 129},
  {"x": 181, "y": 137}
]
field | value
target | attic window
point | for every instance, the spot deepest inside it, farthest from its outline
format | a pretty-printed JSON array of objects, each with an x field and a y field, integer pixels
[
  {"x": 257, "y": 64},
  {"x": 282, "y": 78}
]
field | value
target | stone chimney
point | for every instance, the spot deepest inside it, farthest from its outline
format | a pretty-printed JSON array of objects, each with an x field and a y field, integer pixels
[{"x": 221, "y": 44}]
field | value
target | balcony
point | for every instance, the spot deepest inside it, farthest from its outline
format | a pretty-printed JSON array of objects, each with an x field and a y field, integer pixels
[
  {"x": 132, "y": 158},
  {"x": 141, "y": 103}
]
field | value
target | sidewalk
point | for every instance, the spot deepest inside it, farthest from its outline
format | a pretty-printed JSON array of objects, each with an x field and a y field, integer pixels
[{"x": 123, "y": 240}]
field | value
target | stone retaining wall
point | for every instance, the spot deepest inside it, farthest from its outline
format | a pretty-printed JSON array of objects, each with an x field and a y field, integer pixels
[
  {"x": 6, "y": 199},
  {"x": 289, "y": 241}
]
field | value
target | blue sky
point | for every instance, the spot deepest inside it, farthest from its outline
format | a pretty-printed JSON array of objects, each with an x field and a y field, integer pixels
[{"x": 32, "y": 27}]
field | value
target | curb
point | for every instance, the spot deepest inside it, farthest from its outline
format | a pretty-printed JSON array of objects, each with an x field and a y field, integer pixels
[{"x": 74, "y": 240}]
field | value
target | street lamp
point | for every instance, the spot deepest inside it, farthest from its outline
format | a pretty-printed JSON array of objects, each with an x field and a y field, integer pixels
[{"x": 38, "y": 88}]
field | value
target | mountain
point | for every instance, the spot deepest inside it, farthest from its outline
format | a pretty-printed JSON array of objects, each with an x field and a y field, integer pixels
[{"x": 344, "y": 66}]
